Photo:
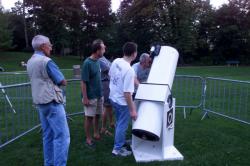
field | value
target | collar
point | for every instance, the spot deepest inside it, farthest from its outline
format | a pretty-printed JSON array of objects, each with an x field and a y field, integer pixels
[{"x": 40, "y": 53}]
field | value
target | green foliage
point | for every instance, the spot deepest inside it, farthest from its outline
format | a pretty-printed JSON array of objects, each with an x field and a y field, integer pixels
[
  {"x": 99, "y": 22},
  {"x": 168, "y": 22},
  {"x": 231, "y": 38},
  {"x": 194, "y": 28},
  {"x": 5, "y": 32}
]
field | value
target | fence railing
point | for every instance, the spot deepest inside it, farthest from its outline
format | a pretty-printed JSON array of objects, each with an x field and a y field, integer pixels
[
  {"x": 188, "y": 90},
  {"x": 227, "y": 98},
  {"x": 18, "y": 77},
  {"x": 18, "y": 115}
]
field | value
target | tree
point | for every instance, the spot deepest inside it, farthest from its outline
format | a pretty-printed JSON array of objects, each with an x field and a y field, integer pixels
[
  {"x": 25, "y": 25},
  {"x": 57, "y": 19},
  {"x": 193, "y": 27},
  {"x": 5, "y": 32},
  {"x": 20, "y": 24},
  {"x": 232, "y": 34},
  {"x": 100, "y": 22},
  {"x": 170, "y": 22},
  {"x": 205, "y": 26},
  {"x": 139, "y": 22}
]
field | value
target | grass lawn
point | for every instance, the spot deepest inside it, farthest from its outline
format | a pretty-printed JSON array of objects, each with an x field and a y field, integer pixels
[
  {"x": 237, "y": 73},
  {"x": 212, "y": 142},
  {"x": 10, "y": 61},
  {"x": 215, "y": 141}
]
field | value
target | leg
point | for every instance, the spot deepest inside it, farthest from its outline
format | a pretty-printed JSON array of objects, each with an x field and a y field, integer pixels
[
  {"x": 58, "y": 122},
  {"x": 87, "y": 126},
  {"x": 104, "y": 120},
  {"x": 96, "y": 127},
  {"x": 104, "y": 129},
  {"x": 48, "y": 150},
  {"x": 122, "y": 120},
  {"x": 98, "y": 113},
  {"x": 90, "y": 112},
  {"x": 110, "y": 115}
]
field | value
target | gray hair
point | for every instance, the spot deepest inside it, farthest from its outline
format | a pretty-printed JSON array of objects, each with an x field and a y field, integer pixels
[
  {"x": 38, "y": 40},
  {"x": 144, "y": 57}
]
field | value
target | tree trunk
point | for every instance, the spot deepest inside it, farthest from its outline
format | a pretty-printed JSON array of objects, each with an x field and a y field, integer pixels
[{"x": 25, "y": 27}]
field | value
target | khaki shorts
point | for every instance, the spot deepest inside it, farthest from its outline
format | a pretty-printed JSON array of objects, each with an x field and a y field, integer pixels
[{"x": 95, "y": 107}]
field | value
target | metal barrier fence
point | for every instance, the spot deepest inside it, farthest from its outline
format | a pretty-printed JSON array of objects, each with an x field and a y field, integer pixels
[
  {"x": 18, "y": 114},
  {"x": 188, "y": 90},
  {"x": 228, "y": 98},
  {"x": 18, "y": 77},
  {"x": 10, "y": 78}
]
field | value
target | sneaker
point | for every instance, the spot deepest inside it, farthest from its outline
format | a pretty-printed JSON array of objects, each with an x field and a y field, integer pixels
[
  {"x": 90, "y": 145},
  {"x": 122, "y": 152},
  {"x": 127, "y": 146}
]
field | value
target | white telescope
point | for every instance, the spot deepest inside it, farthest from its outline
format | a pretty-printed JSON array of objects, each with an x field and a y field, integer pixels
[{"x": 153, "y": 131}]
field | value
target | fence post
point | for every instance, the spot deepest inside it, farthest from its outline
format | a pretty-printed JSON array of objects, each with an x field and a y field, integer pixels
[{"x": 204, "y": 90}]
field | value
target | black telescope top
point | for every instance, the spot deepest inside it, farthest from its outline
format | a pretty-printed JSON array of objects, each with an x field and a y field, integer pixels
[{"x": 155, "y": 51}]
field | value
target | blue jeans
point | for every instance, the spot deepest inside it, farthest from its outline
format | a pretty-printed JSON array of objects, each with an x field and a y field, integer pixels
[
  {"x": 122, "y": 120},
  {"x": 56, "y": 137}
]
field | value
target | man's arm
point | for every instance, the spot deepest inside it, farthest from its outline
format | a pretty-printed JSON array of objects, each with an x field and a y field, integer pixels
[
  {"x": 55, "y": 74},
  {"x": 85, "y": 100},
  {"x": 131, "y": 105},
  {"x": 85, "y": 78},
  {"x": 137, "y": 82}
]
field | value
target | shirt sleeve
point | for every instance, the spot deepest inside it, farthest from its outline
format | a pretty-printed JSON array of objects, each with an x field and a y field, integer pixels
[
  {"x": 105, "y": 66},
  {"x": 135, "y": 67},
  {"x": 54, "y": 72},
  {"x": 128, "y": 85},
  {"x": 85, "y": 72}
]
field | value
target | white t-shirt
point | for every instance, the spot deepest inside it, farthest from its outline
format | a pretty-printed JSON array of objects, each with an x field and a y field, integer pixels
[{"x": 121, "y": 80}]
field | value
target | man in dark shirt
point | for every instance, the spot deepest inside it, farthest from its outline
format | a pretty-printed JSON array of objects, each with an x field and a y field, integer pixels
[{"x": 92, "y": 90}]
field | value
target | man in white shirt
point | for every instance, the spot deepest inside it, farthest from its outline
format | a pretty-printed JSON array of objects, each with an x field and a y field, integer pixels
[{"x": 121, "y": 85}]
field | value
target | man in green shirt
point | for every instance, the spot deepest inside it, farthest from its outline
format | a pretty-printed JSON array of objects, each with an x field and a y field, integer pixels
[{"x": 92, "y": 90}]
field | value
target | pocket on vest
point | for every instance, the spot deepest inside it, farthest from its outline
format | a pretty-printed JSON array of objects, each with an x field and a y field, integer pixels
[{"x": 59, "y": 94}]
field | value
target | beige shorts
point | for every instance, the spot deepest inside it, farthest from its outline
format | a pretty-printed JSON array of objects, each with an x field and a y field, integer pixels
[{"x": 95, "y": 107}]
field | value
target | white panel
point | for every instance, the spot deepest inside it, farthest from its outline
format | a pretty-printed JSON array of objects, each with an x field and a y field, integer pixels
[{"x": 152, "y": 92}]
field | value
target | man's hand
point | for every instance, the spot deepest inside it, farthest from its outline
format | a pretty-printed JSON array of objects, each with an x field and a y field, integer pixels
[
  {"x": 133, "y": 115},
  {"x": 63, "y": 82},
  {"x": 85, "y": 101}
]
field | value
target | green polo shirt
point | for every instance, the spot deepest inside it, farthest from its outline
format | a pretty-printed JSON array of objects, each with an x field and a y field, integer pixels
[{"x": 91, "y": 75}]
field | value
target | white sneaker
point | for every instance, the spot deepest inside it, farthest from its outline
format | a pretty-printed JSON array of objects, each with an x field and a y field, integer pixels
[{"x": 122, "y": 152}]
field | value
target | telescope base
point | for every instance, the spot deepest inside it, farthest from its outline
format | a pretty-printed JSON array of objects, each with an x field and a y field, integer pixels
[{"x": 150, "y": 152}]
